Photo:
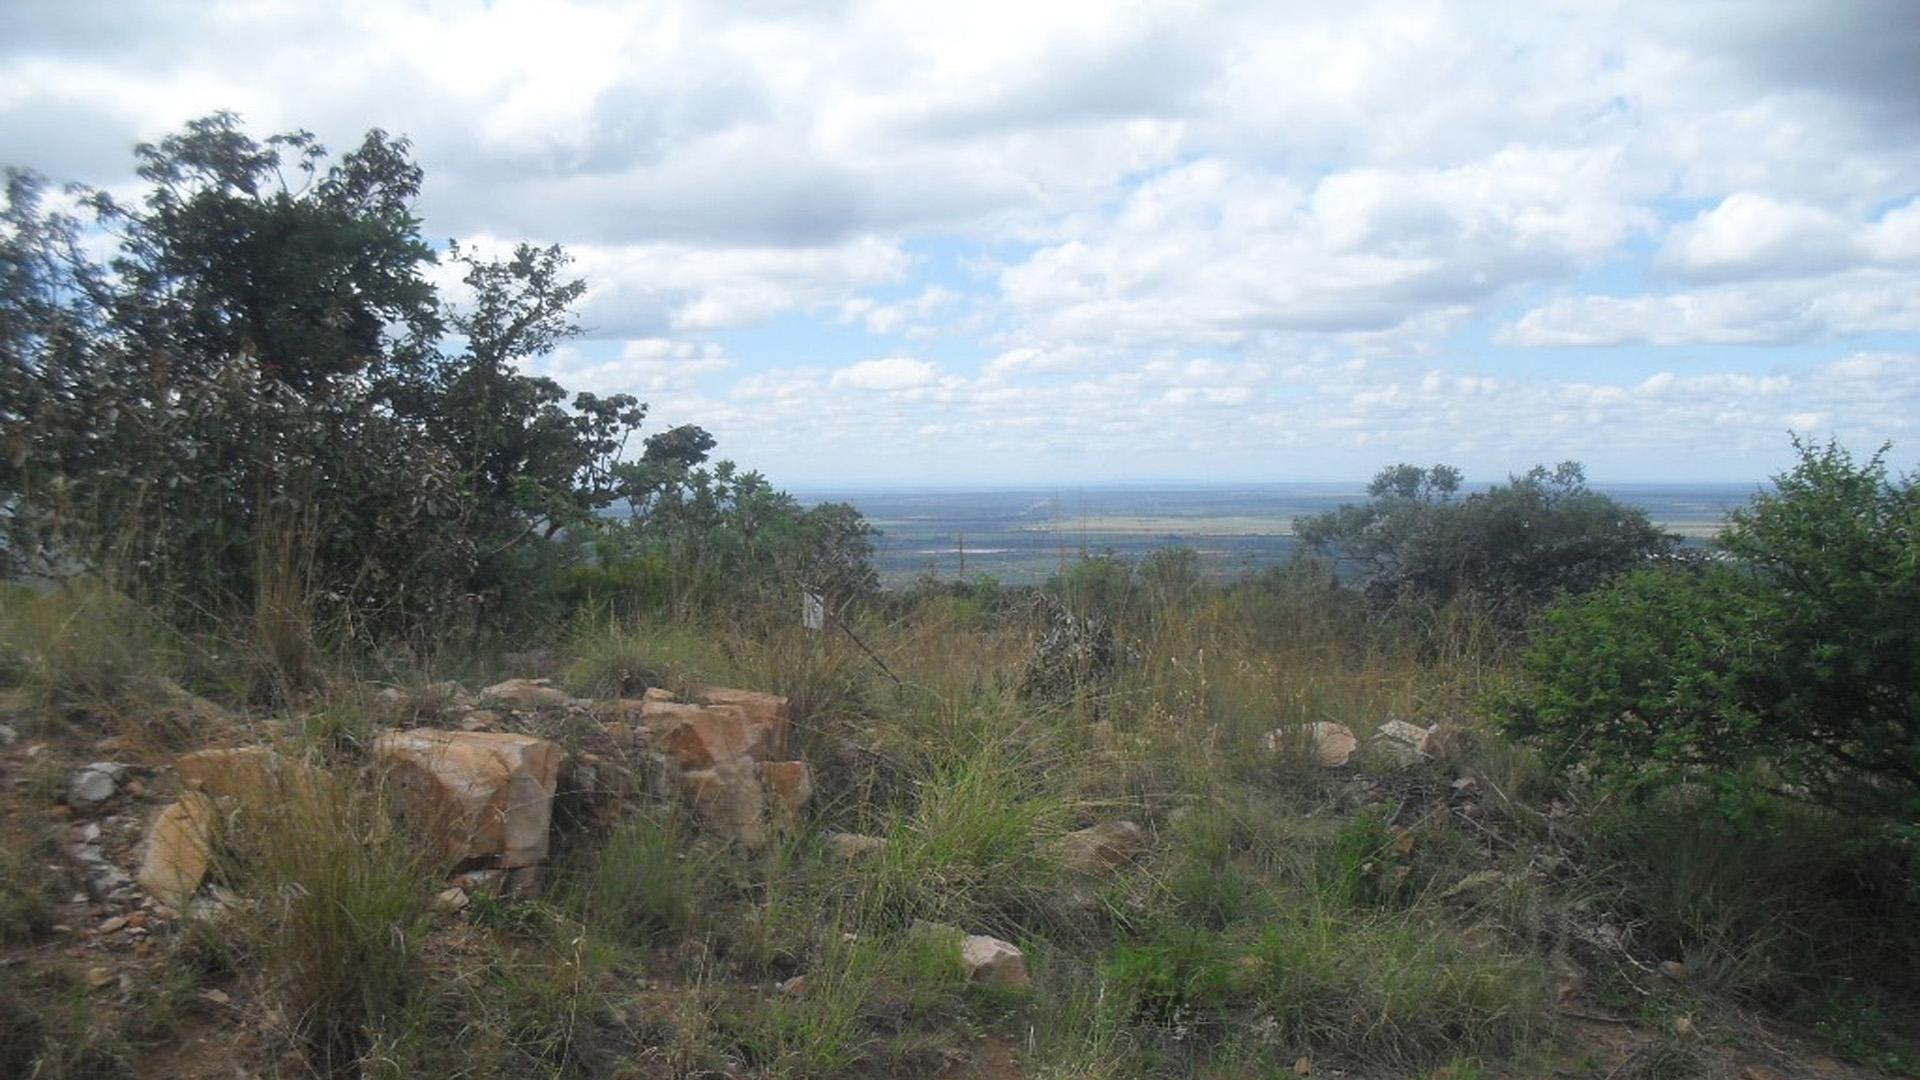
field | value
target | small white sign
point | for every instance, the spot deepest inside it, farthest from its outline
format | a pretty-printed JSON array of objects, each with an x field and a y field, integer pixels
[{"x": 813, "y": 611}]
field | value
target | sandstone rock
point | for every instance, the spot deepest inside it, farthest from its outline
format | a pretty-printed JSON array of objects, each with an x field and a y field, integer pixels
[
  {"x": 480, "y": 720},
  {"x": 730, "y": 800},
  {"x": 486, "y": 796},
  {"x": 91, "y": 785},
  {"x": 1332, "y": 744},
  {"x": 1400, "y": 743},
  {"x": 1103, "y": 847},
  {"x": 789, "y": 784},
  {"x": 450, "y": 899},
  {"x": 528, "y": 694},
  {"x": 998, "y": 963},
  {"x": 851, "y": 847},
  {"x": 658, "y": 693},
  {"x": 253, "y": 776},
  {"x": 179, "y": 846},
  {"x": 701, "y": 737},
  {"x": 770, "y": 716}
]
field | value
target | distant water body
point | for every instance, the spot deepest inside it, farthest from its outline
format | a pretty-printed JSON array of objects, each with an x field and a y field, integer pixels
[{"x": 1023, "y": 535}]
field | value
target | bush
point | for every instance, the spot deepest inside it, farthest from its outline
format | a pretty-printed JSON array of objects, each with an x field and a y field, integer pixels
[
  {"x": 1793, "y": 669},
  {"x": 1515, "y": 545}
]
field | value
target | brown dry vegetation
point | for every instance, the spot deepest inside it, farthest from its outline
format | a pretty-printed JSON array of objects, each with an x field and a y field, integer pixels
[{"x": 1475, "y": 916}]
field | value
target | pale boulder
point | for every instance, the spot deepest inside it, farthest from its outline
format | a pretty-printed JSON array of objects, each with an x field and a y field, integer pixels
[
  {"x": 487, "y": 796},
  {"x": 1400, "y": 743},
  {"x": 528, "y": 694},
  {"x": 253, "y": 776},
  {"x": 769, "y": 716},
  {"x": 179, "y": 848},
  {"x": 1332, "y": 744},
  {"x": 995, "y": 962},
  {"x": 1103, "y": 847}
]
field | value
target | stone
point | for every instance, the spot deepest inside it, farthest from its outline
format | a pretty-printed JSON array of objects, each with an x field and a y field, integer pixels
[
  {"x": 1400, "y": 743},
  {"x": 99, "y": 976},
  {"x": 995, "y": 962},
  {"x": 178, "y": 849},
  {"x": 1332, "y": 744},
  {"x": 93, "y": 784},
  {"x": 451, "y": 899},
  {"x": 770, "y": 716},
  {"x": 480, "y": 720},
  {"x": 1103, "y": 847},
  {"x": 794, "y": 987},
  {"x": 528, "y": 694},
  {"x": 1675, "y": 970},
  {"x": 851, "y": 847},
  {"x": 701, "y": 737},
  {"x": 486, "y": 796},
  {"x": 118, "y": 922},
  {"x": 8, "y": 736},
  {"x": 253, "y": 776},
  {"x": 789, "y": 785},
  {"x": 658, "y": 693},
  {"x": 730, "y": 800}
]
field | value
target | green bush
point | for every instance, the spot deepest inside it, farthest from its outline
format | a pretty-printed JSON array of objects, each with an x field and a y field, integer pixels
[
  {"x": 1515, "y": 545},
  {"x": 1793, "y": 668}
]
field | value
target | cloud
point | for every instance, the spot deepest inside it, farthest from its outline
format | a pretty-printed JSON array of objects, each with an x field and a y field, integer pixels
[
  {"x": 891, "y": 373},
  {"x": 1121, "y": 238}
]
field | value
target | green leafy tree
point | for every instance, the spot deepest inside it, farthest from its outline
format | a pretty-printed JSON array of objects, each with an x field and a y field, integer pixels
[
  {"x": 1514, "y": 546},
  {"x": 1793, "y": 665}
]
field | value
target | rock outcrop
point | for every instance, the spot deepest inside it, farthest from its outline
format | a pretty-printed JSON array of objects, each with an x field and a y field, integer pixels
[
  {"x": 727, "y": 753},
  {"x": 487, "y": 797}
]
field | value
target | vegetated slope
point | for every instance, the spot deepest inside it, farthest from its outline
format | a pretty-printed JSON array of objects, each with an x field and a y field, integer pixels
[{"x": 1464, "y": 912}]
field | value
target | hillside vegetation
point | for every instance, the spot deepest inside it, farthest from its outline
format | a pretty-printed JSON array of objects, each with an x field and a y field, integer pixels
[{"x": 1526, "y": 790}]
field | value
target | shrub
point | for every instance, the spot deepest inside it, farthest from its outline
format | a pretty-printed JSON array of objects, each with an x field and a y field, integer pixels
[
  {"x": 1516, "y": 545},
  {"x": 1794, "y": 669}
]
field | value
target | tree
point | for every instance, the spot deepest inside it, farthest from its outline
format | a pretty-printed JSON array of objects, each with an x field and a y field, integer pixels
[
  {"x": 1515, "y": 546},
  {"x": 1794, "y": 665}
]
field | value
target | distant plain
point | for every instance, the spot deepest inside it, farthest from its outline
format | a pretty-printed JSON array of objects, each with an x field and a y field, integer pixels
[{"x": 1023, "y": 535}]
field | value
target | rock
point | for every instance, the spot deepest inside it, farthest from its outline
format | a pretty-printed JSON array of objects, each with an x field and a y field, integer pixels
[
  {"x": 480, "y": 720},
  {"x": 99, "y": 976},
  {"x": 118, "y": 922},
  {"x": 528, "y": 694},
  {"x": 8, "y": 736},
  {"x": 789, "y": 784},
  {"x": 1465, "y": 785},
  {"x": 253, "y": 776},
  {"x": 94, "y": 784},
  {"x": 794, "y": 987},
  {"x": 450, "y": 900},
  {"x": 730, "y": 800},
  {"x": 489, "y": 881},
  {"x": 1333, "y": 744},
  {"x": 1675, "y": 970},
  {"x": 658, "y": 693},
  {"x": 1399, "y": 743},
  {"x": 995, "y": 962},
  {"x": 851, "y": 847},
  {"x": 701, "y": 737},
  {"x": 484, "y": 795},
  {"x": 1103, "y": 847},
  {"x": 179, "y": 847},
  {"x": 769, "y": 716},
  {"x": 216, "y": 996}
]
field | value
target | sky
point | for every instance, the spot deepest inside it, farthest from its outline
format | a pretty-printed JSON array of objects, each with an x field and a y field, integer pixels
[{"x": 1059, "y": 243}]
